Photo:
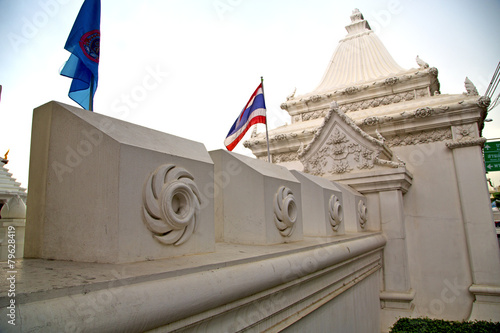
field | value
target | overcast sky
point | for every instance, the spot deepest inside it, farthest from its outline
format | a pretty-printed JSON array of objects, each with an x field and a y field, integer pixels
[{"x": 201, "y": 59}]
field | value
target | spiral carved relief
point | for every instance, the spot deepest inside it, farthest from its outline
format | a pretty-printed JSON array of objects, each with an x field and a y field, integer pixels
[
  {"x": 285, "y": 211},
  {"x": 171, "y": 204},
  {"x": 335, "y": 212},
  {"x": 362, "y": 212}
]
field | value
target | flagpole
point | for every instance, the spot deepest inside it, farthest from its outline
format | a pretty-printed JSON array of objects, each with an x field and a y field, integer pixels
[
  {"x": 91, "y": 97},
  {"x": 267, "y": 134}
]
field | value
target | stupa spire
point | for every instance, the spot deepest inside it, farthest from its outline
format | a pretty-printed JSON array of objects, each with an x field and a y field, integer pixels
[
  {"x": 358, "y": 23},
  {"x": 359, "y": 58}
]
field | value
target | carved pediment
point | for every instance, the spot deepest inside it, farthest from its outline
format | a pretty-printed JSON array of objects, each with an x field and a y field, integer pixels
[{"x": 340, "y": 146}]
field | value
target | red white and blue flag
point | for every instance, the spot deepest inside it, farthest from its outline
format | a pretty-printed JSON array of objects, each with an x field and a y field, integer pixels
[{"x": 253, "y": 113}]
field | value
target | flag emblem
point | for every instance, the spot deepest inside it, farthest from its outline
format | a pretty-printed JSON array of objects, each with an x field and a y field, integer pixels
[{"x": 90, "y": 45}]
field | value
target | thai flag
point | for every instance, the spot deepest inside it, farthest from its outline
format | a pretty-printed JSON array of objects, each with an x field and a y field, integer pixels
[{"x": 253, "y": 113}]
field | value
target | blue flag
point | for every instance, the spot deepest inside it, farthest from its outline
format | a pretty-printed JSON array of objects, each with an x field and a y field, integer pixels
[{"x": 83, "y": 63}]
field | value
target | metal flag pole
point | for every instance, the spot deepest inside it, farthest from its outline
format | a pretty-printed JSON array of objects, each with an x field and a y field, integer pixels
[
  {"x": 267, "y": 134},
  {"x": 91, "y": 97}
]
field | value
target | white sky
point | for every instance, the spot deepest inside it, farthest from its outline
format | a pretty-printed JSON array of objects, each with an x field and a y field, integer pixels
[{"x": 208, "y": 56}]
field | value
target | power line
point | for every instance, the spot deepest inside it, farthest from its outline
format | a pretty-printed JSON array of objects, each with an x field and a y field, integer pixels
[{"x": 492, "y": 87}]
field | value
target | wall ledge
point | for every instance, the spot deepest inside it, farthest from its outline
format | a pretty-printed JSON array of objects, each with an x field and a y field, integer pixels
[{"x": 102, "y": 297}]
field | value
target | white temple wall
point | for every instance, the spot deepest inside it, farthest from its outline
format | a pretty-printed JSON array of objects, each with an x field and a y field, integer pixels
[
  {"x": 109, "y": 273},
  {"x": 409, "y": 243},
  {"x": 420, "y": 170},
  {"x": 323, "y": 206},
  {"x": 333, "y": 318},
  {"x": 436, "y": 242},
  {"x": 258, "y": 203},
  {"x": 12, "y": 227},
  {"x": 90, "y": 176},
  {"x": 373, "y": 222}
]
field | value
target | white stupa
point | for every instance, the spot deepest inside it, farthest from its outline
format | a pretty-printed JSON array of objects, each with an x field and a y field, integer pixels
[
  {"x": 359, "y": 58},
  {"x": 9, "y": 187}
]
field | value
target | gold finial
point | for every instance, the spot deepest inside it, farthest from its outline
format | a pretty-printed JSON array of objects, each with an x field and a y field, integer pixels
[{"x": 6, "y": 154}]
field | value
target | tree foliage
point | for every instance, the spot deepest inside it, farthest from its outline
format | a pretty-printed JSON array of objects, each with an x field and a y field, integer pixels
[{"x": 427, "y": 325}]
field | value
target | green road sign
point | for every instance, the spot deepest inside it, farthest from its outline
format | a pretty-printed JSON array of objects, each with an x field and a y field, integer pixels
[{"x": 492, "y": 156}]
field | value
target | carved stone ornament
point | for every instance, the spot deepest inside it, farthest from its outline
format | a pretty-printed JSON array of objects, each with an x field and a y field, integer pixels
[
  {"x": 254, "y": 132},
  {"x": 313, "y": 115},
  {"x": 483, "y": 101},
  {"x": 251, "y": 143},
  {"x": 342, "y": 148},
  {"x": 421, "y": 64},
  {"x": 370, "y": 121},
  {"x": 302, "y": 105},
  {"x": 470, "y": 87},
  {"x": 391, "y": 164},
  {"x": 374, "y": 120},
  {"x": 356, "y": 15},
  {"x": 419, "y": 137},
  {"x": 313, "y": 98},
  {"x": 285, "y": 211},
  {"x": 285, "y": 157},
  {"x": 335, "y": 212},
  {"x": 362, "y": 212},
  {"x": 385, "y": 100},
  {"x": 434, "y": 71},
  {"x": 466, "y": 143},
  {"x": 418, "y": 113},
  {"x": 423, "y": 112},
  {"x": 391, "y": 81},
  {"x": 464, "y": 132},
  {"x": 351, "y": 90},
  {"x": 285, "y": 136},
  {"x": 289, "y": 97},
  {"x": 171, "y": 204}
]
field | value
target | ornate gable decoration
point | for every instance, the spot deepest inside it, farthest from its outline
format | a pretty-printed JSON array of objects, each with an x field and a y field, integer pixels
[{"x": 340, "y": 146}]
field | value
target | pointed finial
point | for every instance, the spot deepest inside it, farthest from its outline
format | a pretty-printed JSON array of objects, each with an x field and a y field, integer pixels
[
  {"x": 356, "y": 15},
  {"x": 470, "y": 87},
  {"x": 358, "y": 23},
  {"x": 254, "y": 132},
  {"x": 422, "y": 64}
]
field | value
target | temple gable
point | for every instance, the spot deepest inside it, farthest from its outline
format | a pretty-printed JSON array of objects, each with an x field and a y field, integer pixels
[{"x": 340, "y": 146}]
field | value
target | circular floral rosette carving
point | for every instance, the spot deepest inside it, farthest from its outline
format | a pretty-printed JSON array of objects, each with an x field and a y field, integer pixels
[
  {"x": 285, "y": 211},
  {"x": 362, "y": 212},
  {"x": 171, "y": 204},
  {"x": 423, "y": 112},
  {"x": 335, "y": 212}
]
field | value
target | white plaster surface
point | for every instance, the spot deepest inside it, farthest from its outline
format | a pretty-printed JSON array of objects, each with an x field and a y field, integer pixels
[
  {"x": 436, "y": 242},
  {"x": 351, "y": 64},
  {"x": 245, "y": 200},
  {"x": 352, "y": 199},
  {"x": 235, "y": 286},
  {"x": 317, "y": 195},
  {"x": 14, "y": 208},
  {"x": 332, "y": 317},
  {"x": 412, "y": 160},
  {"x": 87, "y": 180},
  {"x": 12, "y": 239}
]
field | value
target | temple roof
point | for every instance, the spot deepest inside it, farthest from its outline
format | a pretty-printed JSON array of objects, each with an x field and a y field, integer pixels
[
  {"x": 381, "y": 98},
  {"x": 8, "y": 185},
  {"x": 359, "y": 58}
]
